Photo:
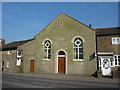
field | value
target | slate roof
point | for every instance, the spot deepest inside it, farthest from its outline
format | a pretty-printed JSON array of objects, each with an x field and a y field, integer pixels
[
  {"x": 108, "y": 31},
  {"x": 14, "y": 45}
]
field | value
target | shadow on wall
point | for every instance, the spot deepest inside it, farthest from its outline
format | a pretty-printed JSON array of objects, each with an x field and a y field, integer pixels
[
  {"x": 92, "y": 56},
  {"x": 95, "y": 74}
]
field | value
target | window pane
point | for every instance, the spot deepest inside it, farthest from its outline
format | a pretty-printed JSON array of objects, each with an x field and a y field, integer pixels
[
  {"x": 118, "y": 61},
  {"x": 80, "y": 50},
  {"x": 115, "y": 57},
  {"x": 118, "y": 56},
  {"x": 48, "y": 56},
  {"x": 75, "y": 45},
  {"x": 113, "y": 40},
  {"x": 117, "y": 40},
  {"x": 81, "y": 44},
  {"x": 80, "y": 56},
  {"x": 76, "y": 56},
  {"x": 75, "y": 50},
  {"x": 115, "y": 61}
]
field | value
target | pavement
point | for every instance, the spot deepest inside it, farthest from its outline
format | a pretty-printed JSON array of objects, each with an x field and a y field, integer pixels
[{"x": 64, "y": 77}]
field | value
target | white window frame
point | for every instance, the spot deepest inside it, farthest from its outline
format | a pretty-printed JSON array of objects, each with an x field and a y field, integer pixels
[
  {"x": 117, "y": 60},
  {"x": 19, "y": 56},
  {"x": 18, "y": 63},
  {"x": 8, "y": 64},
  {"x": 116, "y": 40},
  {"x": 78, "y": 47},
  {"x": 45, "y": 47},
  {"x": 9, "y": 52}
]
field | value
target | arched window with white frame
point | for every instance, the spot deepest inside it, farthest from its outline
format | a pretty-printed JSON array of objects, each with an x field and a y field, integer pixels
[
  {"x": 78, "y": 49},
  {"x": 47, "y": 49}
]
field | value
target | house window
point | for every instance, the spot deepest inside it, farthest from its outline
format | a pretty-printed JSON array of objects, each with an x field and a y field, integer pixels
[
  {"x": 78, "y": 49},
  {"x": 8, "y": 64},
  {"x": 116, "y": 40},
  {"x": 18, "y": 63},
  {"x": 19, "y": 53},
  {"x": 47, "y": 49},
  {"x": 9, "y": 52},
  {"x": 117, "y": 60}
]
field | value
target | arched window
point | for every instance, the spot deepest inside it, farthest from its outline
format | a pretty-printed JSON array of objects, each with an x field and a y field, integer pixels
[
  {"x": 78, "y": 48},
  {"x": 47, "y": 49}
]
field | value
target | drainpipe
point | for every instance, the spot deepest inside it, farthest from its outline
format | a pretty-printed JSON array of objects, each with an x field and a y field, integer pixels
[{"x": 97, "y": 53}]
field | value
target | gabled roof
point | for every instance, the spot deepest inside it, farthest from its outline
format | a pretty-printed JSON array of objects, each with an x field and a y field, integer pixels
[
  {"x": 108, "y": 31},
  {"x": 14, "y": 45},
  {"x": 77, "y": 21},
  {"x": 70, "y": 18}
]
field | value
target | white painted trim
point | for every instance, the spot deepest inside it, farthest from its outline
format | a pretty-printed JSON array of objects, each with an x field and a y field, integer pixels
[
  {"x": 47, "y": 47},
  {"x": 105, "y": 53},
  {"x": 47, "y": 59},
  {"x": 61, "y": 55},
  {"x": 45, "y": 40},
  {"x": 56, "y": 60},
  {"x": 72, "y": 41},
  {"x": 78, "y": 60}
]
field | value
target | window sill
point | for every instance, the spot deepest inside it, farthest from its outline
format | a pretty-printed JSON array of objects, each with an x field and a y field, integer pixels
[
  {"x": 78, "y": 60},
  {"x": 47, "y": 59}
]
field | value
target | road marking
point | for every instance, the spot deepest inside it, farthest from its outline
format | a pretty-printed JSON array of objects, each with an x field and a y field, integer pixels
[
  {"x": 65, "y": 86},
  {"x": 38, "y": 83}
]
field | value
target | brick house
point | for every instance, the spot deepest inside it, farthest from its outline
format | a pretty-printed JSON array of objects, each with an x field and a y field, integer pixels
[{"x": 108, "y": 43}]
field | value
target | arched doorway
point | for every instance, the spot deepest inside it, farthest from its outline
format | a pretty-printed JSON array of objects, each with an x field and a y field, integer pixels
[{"x": 61, "y": 62}]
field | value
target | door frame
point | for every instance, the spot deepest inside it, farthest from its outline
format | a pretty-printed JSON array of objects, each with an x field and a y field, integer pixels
[{"x": 56, "y": 60}]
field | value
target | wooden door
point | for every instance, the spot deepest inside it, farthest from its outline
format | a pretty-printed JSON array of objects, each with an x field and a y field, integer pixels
[
  {"x": 61, "y": 64},
  {"x": 32, "y": 66}
]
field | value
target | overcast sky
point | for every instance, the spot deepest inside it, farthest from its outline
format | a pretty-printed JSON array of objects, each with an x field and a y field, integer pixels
[{"x": 23, "y": 20}]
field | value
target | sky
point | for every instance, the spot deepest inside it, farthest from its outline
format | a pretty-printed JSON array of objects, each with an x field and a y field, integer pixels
[{"x": 24, "y": 20}]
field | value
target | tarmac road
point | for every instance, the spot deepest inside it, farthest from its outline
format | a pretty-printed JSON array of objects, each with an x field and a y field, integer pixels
[{"x": 21, "y": 81}]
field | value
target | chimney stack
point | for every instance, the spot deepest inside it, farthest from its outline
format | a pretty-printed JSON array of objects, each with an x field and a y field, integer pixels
[
  {"x": 90, "y": 25},
  {"x": 2, "y": 42}
]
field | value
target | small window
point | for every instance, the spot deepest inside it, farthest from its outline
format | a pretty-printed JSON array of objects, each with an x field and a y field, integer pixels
[
  {"x": 18, "y": 63},
  {"x": 9, "y": 52},
  {"x": 117, "y": 60},
  {"x": 8, "y": 64},
  {"x": 19, "y": 53},
  {"x": 116, "y": 40}
]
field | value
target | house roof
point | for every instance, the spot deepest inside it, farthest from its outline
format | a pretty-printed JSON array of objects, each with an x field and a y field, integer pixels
[
  {"x": 77, "y": 21},
  {"x": 108, "y": 31},
  {"x": 14, "y": 45}
]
